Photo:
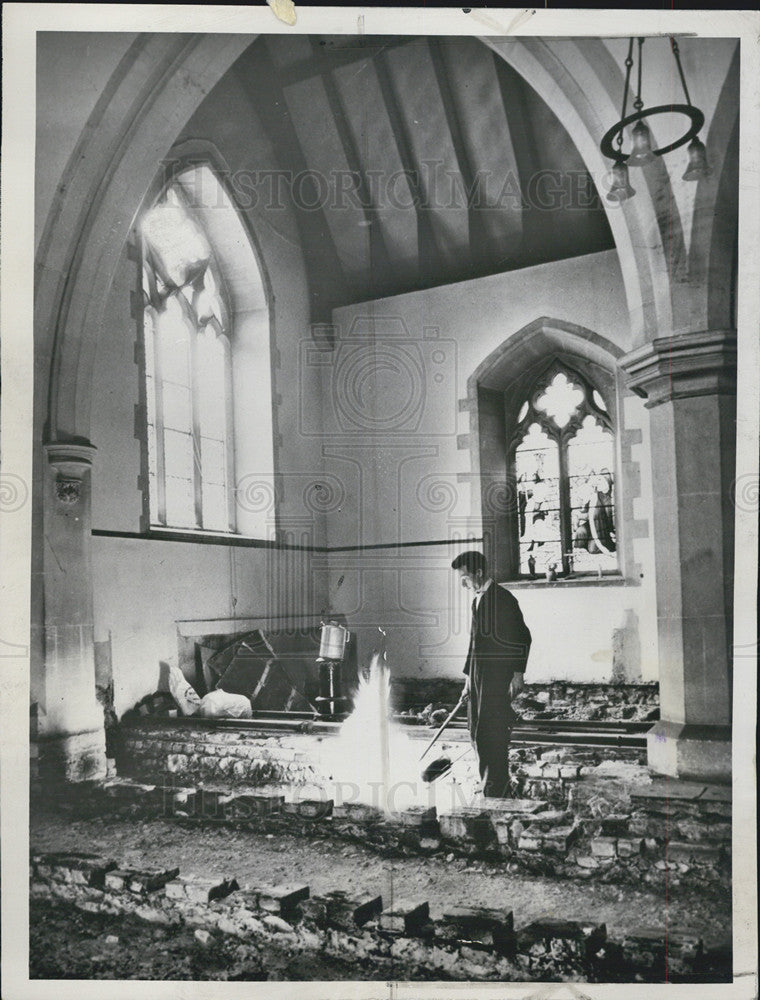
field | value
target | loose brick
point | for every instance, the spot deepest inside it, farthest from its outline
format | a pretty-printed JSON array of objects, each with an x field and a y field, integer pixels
[
  {"x": 200, "y": 890},
  {"x": 213, "y": 802},
  {"x": 470, "y": 825},
  {"x": 277, "y": 924},
  {"x": 417, "y": 816},
  {"x": 351, "y": 914},
  {"x": 581, "y": 937},
  {"x": 645, "y": 946},
  {"x": 81, "y": 869},
  {"x": 310, "y": 808},
  {"x": 703, "y": 830},
  {"x": 313, "y": 911},
  {"x": 117, "y": 879},
  {"x": 559, "y": 839},
  {"x": 668, "y": 792},
  {"x": 550, "y": 819},
  {"x": 405, "y": 917},
  {"x": 242, "y": 806},
  {"x": 686, "y": 942},
  {"x": 148, "y": 881},
  {"x": 486, "y": 926},
  {"x": 629, "y": 847},
  {"x": 428, "y": 842},
  {"x": 282, "y": 898},
  {"x": 176, "y": 889},
  {"x": 182, "y": 800},
  {"x": 177, "y": 763},
  {"x": 604, "y": 847},
  {"x": 569, "y": 772},
  {"x": 686, "y": 851},
  {"x": 714, "y": 808},
  {"x": 535, "y": 771},
  {"x": 587, "y": 862},
  {"x": 529, "y": 842},
  {"x": 503, "y": 826},
  {"x": 357, "y": 812}
]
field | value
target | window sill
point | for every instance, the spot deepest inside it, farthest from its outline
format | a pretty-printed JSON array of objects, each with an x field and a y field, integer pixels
[{"x": 611, "y": 580}]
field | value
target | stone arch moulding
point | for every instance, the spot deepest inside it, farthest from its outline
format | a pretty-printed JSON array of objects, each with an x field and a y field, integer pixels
[
  {"x": 715, "y": 225},
  {"x": 581, "y": 84},
  {"x": 506, "y": 373},
  {"x": 248, "y": 289},
  {"x": 154, "y": 91},
  {"x": 203, "y": 152}
]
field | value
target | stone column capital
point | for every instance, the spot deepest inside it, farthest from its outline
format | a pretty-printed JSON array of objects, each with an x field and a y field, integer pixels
[
  {"x": 686, "y": 364},
  {"x": 70, "y": 460},
  {"x": 70, "y": 463}
]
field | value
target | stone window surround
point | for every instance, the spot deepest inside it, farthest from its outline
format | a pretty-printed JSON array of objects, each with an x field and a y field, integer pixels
[
  {"x": 517, "y": 363},
  {"x": 248, "y": 293}
]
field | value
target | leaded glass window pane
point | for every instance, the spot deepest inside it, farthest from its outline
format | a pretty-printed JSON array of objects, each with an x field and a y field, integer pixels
[
  {"x": 187, "y": 381},
  {"x": 591, "y": 459},
  {"x": 560, "y": 399},
  {"x": 563, "y": 464},
  {"x": 537, "y": 470}
]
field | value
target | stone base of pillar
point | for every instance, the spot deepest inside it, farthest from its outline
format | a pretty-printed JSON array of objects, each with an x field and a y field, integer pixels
[
  {"x": 690, "y": 752},
  {"x": 81, "y": 757}
]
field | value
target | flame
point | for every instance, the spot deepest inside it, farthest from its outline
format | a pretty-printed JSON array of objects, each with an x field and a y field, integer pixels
[{"x": 374, "y": 762}]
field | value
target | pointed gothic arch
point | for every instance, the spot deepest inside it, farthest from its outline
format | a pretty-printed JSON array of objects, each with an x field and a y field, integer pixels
[{"x": 497, "y": 391}]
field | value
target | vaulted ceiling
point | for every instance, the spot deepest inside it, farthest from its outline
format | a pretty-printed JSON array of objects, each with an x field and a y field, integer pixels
[{"x": 416, "y": 162}]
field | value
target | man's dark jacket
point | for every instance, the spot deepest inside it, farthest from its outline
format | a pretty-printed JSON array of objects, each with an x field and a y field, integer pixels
[{"x": 499, "y": 646}]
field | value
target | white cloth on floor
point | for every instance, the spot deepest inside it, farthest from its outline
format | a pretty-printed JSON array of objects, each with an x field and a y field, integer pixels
[{"x": 223, "y": 705}]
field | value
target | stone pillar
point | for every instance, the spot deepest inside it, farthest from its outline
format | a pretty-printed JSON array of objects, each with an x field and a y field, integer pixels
[
  {"x": 689, "y": 381},
  {"x": 70, "y": 726}
]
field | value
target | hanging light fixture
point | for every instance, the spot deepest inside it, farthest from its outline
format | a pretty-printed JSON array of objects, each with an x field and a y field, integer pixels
[
  {"x": 698, "y": 165},
  {"x": 621, "y": 186},
  {"x": 642, "y": 152}
]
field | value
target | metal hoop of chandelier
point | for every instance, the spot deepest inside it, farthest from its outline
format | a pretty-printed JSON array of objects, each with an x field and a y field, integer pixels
[
  {"x": 641, "y": 151},
  {"x": 697, "y": 122}
]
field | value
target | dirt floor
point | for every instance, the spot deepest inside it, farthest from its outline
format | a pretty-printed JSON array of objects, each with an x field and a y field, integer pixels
[{"x": 326, "y": 864}]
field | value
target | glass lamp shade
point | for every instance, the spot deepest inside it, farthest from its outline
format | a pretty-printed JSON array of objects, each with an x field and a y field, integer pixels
[
  {"x": 698, "y": 165},
  {"x": 621, "y": 188},
  {"x": 641, "y": 153}
]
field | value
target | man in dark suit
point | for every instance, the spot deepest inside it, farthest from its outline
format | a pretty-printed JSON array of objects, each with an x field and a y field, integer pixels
[{"x": 496, "y": 660}]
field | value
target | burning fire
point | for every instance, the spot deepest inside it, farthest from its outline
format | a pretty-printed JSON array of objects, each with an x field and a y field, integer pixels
[{"x": 374, "y": 762}]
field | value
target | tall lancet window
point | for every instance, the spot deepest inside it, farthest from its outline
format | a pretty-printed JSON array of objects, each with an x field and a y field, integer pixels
[
  {"x": 563, "y": 460},
  {"x": 187, "y": 370}
]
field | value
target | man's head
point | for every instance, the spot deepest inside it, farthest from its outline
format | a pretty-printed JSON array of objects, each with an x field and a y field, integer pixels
[{"x": 472, "y": 568}]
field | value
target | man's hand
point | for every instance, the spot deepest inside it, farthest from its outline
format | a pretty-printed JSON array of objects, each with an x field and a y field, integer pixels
[
  {"x": 518, "y": 683},
  {"x": 465, "y": 696}
]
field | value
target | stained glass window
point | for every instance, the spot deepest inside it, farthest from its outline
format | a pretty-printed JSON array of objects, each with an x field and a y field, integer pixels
[
  {"x": 187, "y": 371},
  {"x": 563, "y": 460}
]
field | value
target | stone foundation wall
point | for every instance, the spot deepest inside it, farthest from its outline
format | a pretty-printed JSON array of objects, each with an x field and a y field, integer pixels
[
  {"x": 559, "y": 700},
  {"x": 465, "y": 944},
  {"x": 655, "y": 833},
  {"x": 196, "y": 753}
]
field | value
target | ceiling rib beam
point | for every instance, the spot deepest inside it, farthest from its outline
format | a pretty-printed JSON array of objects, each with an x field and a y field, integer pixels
[
  {"x": 316, "y": 239},
  {"x": 478, "y": 236},
  {"x": 326, "y": 59},
  {"x": 429, "y": 258},
  {"x": 378, "y": 251},
  {"x": 512, "y": 88}
]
